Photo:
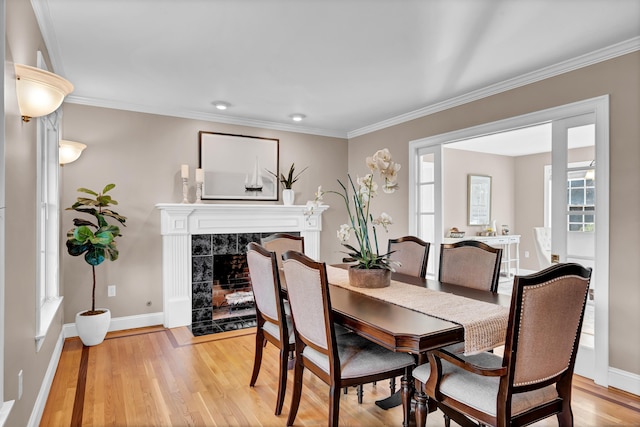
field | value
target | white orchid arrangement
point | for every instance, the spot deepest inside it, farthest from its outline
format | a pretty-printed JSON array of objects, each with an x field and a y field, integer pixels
[{"x": 361, "y": 220}]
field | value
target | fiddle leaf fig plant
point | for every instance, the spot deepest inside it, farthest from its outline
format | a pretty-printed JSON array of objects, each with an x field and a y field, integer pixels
[{"x": 95, "y": 237}]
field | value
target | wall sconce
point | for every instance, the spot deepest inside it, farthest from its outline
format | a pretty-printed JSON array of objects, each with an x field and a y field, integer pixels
[
  {"x": 39, "y": 92},
  {"x": 69, "y": 151}
]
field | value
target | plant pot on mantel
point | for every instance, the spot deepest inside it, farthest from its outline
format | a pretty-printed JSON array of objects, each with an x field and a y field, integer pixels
[
  {"x": 369, "y": 278},
  {"x": 288, "y": 196},
  {"x": 92, "y": 328}
]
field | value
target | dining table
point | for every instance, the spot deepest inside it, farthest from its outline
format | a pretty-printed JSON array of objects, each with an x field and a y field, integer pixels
[{"x": 400, "y": 328}]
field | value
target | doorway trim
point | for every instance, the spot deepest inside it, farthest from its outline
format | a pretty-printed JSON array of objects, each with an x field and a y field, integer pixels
[{"x": 598, "y": 106}]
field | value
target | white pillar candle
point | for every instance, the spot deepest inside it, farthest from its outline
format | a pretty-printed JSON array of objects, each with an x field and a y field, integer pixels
[
  {"x": 199, "y": 175},
  {"x": 185, "y": 171}
]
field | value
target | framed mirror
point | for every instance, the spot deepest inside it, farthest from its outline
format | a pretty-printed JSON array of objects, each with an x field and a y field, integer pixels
[
  {"x": 236, "y": 166},
  {"x": 478, "y": 199}
]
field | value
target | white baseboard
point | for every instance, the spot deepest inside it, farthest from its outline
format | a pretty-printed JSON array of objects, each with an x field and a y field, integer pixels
[
  {"x": 624, "y": 380},
  {"x": 122, "y": 323},
  {"x": 47, "y": 381}
]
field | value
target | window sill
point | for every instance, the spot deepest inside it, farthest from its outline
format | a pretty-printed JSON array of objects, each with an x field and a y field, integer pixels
[{"x": 47, "y": 312}]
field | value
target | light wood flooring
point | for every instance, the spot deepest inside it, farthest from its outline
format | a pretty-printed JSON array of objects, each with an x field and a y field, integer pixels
[{"x": 166, "y": 377}]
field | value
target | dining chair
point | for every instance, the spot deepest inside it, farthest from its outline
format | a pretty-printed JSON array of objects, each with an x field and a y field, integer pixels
[
  {"x": 532, "y": 381},
  {"x": 282, "y": 242},
  {"x": 471, "y": 264},
  {"x": 273, "y": 323},
  {"x": 338, "y": 360},
  {"x": 412, "y": 254}
]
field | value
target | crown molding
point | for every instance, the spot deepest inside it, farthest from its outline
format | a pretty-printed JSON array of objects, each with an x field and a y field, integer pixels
[
  {"x": 591, "y": 58},
  {"x": 209, "y": 117}
]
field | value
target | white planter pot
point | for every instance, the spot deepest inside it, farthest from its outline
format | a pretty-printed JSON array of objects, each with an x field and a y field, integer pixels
[
  {"x": 93, "y": 329},
  {"x": 288, "y": 196}
]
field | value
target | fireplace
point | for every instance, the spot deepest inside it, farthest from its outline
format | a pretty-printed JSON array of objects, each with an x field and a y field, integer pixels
[
  {"x": 221, "y": 285},
  {"x": 187, "y": 256}
]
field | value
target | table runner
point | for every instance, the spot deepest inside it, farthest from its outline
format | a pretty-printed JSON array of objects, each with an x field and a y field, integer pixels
[{"x": 484, "y": 324}]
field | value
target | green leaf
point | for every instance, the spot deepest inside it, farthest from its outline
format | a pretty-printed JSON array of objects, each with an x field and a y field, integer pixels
[
  {"x": 86, "y": 190},
  {"x": 79, "y": 221},
  {"x": 94, "y": 256},
  {"x": 108, "y": 187},
  {"x": 102, "y": 238},
  {"x": 83, "y": 234},
  {"x": 75, "y": 248}
]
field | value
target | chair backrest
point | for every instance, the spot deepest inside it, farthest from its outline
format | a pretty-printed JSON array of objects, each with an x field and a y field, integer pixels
[
  {"x": 542, "y": 237},
  {"x": 547, "y": 309},
  {"x": 308, "y": 295},
  {"x": 282, "y": 242},
  {"x": 412, "y": 253},
  {"x": 265, "y": 281},
  {"x": 470, "y": 263}
]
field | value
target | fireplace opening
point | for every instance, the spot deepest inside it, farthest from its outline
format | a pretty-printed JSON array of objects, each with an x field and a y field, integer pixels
[{"x": 222, "y": 296}]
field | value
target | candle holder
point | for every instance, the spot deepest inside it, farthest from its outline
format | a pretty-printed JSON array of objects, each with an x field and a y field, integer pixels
[
  {"x": 198, "y": 192},
  {"x": 185, "y": 190}
]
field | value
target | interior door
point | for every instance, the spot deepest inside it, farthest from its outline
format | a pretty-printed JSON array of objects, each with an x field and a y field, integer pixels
[{"x": 573, "y": 214}]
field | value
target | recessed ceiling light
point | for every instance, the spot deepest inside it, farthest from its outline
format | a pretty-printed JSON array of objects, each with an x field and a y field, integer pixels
[
  {"x": 221, "y": 105},
  {"x": 297, "y": 117}
]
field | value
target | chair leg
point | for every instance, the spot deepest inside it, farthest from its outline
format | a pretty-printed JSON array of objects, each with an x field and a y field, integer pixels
[
  {"x": 257, "y": 359},
  {"x": 360, "y": 393},
  {"x": 447, "y": 421},
  {"x": 421, "y": 409},
  {"x": 407, "y": 396},
  {"x": 392, "y": 385},
  {"x": 297, "y": 391},
  {"x": 334, "y": 405},
  {"x": 282, "y": 379}
]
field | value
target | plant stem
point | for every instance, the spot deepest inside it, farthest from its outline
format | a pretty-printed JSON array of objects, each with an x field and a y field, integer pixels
[{"x": 93, "y": 296}]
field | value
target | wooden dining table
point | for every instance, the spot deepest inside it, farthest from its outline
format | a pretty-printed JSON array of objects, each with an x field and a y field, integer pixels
[
  {"x": 399, "y": 328},
  {"x": 402, "y": 329}
]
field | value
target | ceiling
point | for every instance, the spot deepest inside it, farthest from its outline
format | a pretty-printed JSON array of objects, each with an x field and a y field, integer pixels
[{"x": 350, "y": 66}]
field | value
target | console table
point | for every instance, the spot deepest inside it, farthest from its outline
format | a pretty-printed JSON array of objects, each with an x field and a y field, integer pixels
[{"x": 504, "y": 242}]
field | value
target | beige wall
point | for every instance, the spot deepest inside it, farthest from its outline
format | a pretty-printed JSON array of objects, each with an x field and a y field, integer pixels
[
  {"x": 23, "y": 40},
  {"x": 141, "y": 154},
  {"x": 457, "y": 164},
  {"x": 617, "y": 77}
]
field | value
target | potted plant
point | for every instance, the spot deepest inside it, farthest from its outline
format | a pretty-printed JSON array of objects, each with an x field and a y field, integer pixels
[
  {"x": 287, "y": 182},
  {"x": 372, "y": 269},
  {"x": 95, "y": 238}
]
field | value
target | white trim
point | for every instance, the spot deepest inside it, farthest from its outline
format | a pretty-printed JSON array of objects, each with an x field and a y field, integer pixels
[
  {"x": 624, "y": 380},
  {"x": 47, "y": 381},
  {"x": 600, "y": 107}
]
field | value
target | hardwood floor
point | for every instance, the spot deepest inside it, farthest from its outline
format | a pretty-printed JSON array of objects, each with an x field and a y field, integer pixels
[{"x": 166, "y": 377}]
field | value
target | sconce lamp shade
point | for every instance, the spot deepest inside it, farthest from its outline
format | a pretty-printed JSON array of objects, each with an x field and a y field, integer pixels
[
  {"x": 39, "y": 92},
  {"x": 70, "y": 151}
]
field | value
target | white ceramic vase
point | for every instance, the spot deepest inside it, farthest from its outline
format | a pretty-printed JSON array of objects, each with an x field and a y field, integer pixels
[
  {"x": 288, "y": 196},
  {"x": 93, "y": 329}
]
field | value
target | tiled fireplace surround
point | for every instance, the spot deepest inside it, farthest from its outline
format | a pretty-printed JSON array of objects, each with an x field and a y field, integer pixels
[
  {"x": 192, "y": 234},
  {"x": 218, "y": 266}
]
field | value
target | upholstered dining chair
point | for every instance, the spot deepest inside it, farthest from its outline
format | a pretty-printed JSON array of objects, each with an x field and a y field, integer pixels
[
  {"x": 412, "y": 253},
  {"x": 532, "y": 381},
  {"x": 273, "y": 323},
  {"x": 470, "y": 263},
  {"x": 338, "y": 360},
  {"x": 282, "y": 242}
]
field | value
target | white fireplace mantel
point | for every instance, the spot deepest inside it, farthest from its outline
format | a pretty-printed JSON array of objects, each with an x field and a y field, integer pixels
[{"x": 178, "y": 222}]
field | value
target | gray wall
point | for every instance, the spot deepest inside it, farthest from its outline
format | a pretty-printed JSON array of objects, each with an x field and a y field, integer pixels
[{"x": 617, "y": 77}]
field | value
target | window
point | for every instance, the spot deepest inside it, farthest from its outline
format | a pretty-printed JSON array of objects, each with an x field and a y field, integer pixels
[
  {"x": 47, "y": 285},
  {"x": 581, "y": 197}
]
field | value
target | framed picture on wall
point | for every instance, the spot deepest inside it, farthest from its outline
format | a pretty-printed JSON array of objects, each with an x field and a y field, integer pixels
[
  {"x": 236, "y": 166},
  {"x": 478, "y": 199}
]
